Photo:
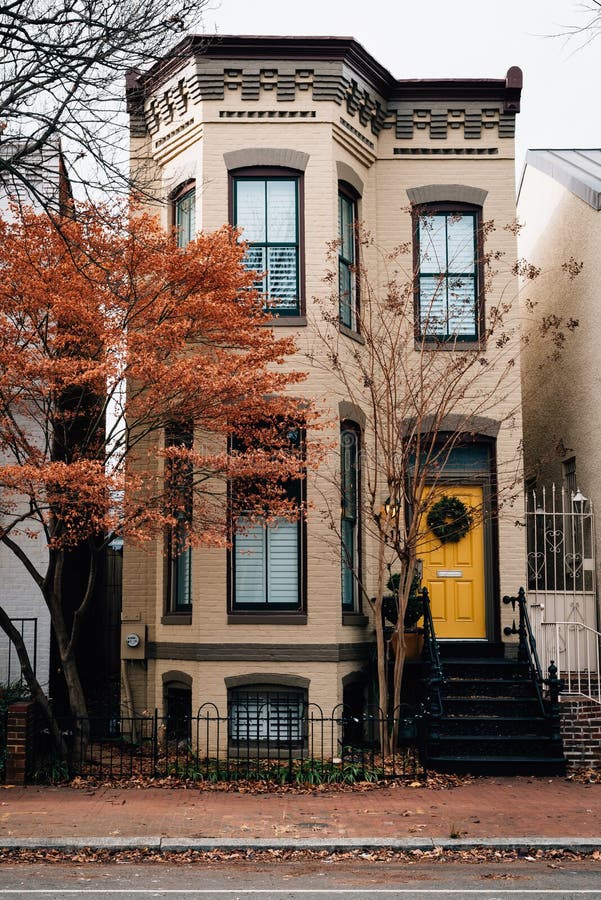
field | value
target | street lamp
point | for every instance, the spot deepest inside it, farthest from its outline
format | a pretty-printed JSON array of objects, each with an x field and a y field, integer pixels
[
  {"x": 578, "y": 500},
  {"x": 390, "y": 508}
]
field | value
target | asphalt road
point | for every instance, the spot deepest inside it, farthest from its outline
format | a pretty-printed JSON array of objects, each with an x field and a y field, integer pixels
[{"x": 308, "y": 880}]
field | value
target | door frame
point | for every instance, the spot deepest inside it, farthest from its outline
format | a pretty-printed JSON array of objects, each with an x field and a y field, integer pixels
[{"x": 487, "y": 480}]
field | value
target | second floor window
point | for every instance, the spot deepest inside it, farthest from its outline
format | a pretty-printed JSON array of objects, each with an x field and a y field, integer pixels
[
  {"x": 267, "y": 209},
  {"x": 448, "y": 301},
  {"x": 184, "y": 215},
  {"x": 347, "y": 254}
]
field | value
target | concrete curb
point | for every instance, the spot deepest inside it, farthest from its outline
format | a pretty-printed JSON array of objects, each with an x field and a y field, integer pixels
[{"x": 181, "y": 845}]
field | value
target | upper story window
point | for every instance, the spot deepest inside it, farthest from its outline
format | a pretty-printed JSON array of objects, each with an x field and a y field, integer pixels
[
  {"x": 267, "y": 208},
  {"x": 184, "y": 214},
  {"x": 347, "y": 259},
  {"x": 449, "y": 273},
  {"x": 349, "y": 514},
  {"x": 179, "y": 555},
  {"x": 267, "y": 558}
]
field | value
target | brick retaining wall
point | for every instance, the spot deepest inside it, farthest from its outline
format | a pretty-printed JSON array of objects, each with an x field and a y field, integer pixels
[{"x": 581, "y": 732}]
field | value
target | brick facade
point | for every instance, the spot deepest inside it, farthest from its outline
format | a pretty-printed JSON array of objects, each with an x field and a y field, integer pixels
[
  {"x": 334, "y": 108},
  {"x": 581, "y": 732},
  {"x": 20, "y": 741}
]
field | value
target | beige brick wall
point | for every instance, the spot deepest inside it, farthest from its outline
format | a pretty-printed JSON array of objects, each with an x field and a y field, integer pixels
[{"x": 198, "y": 152}]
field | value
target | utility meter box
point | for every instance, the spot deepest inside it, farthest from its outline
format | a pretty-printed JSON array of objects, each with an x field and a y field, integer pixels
[{"x": 133, "y": 640}]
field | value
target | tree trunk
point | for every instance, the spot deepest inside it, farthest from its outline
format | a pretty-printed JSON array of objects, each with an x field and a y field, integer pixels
[
  {"x": 77, "y": 702},
  {"x": 381, "y": 654},
  {"x": 399, "y": 665}
]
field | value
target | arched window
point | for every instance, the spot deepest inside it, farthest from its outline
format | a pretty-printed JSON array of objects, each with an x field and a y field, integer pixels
[
  {"x": 449, "y": 272},
  {"x": 177, "y": 698},
  {"x": 350, "y": 445},
  {"x": 184, "y": 213},
  {"x": 348, "y": 282}
]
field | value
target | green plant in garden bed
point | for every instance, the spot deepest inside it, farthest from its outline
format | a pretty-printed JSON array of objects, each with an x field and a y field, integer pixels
[{"x": 51, "y": 771}]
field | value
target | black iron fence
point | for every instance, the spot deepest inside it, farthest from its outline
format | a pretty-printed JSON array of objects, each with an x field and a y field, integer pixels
[
  {"x": 10, "y": 667},
  {"x": 284, "y": 745}
]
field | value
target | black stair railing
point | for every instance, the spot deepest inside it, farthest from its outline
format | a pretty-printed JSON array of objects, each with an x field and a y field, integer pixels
[
  {"x": 432, "y": 710},
  {"x": 528, "y": 653}
]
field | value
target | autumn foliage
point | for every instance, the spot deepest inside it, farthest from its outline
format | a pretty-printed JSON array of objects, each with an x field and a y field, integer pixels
[{"x": 99, "y": 301}]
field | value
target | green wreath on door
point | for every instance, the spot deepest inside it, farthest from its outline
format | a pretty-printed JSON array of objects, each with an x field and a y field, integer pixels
[{"x": 449, "y": 519}]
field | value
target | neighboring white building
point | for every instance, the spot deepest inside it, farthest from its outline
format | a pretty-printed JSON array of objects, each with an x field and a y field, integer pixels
[
  {"x": 559, "y": 206},
  {"x": 18, "y": 594}
]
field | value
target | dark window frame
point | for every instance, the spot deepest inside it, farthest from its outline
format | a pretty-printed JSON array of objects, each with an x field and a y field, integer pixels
[
  {"x": 346, "y": 193},
  {"x": 450, "y": 208},
  {"x": 297, "y": 489},
  {"x": 279, "y": 692},
  {"x": 355, "y": 606},
  {"x": 282, "y": 173},
  {"x": 172, "y": 604},
  {"x": 179, "y": 195}
]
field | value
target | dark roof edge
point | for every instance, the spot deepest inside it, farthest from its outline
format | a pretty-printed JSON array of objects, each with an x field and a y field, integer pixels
[
  {"x": 507, "y": 89},
  {"x": 329, "y": 48}
]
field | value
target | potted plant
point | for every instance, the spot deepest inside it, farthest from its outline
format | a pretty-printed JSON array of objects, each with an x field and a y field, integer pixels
[{"x": 414, "y": 636}]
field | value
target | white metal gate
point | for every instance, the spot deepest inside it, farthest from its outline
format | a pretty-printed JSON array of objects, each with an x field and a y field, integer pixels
[{"x": 562, "y": 585}]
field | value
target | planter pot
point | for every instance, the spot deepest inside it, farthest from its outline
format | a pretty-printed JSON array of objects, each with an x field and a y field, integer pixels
[{"x": 414, "y": 642}]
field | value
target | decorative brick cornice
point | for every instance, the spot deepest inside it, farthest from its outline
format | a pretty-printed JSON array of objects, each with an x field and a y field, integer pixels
[{"x": 332, "y": 69}]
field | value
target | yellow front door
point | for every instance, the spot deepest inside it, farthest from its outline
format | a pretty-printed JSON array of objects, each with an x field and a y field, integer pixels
[{"x": 454, "y": 572}]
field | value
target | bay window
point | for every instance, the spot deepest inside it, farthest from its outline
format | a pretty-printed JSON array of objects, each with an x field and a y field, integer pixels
[
  {"x": 267, "y": 209},
  {"x": 267, "y": 556}
]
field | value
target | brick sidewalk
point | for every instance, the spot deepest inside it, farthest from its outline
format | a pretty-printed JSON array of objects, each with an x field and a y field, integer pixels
[{"x": 488, "y": 807}]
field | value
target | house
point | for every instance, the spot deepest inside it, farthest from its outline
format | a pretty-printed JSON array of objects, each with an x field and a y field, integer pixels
[
  {"x": 45, "y": 181},
  {"x": 287, "y": 138},
  {"x": 559, "y": 206}
]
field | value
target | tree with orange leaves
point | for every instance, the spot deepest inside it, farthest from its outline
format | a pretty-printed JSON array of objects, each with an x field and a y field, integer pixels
[{"x": 103, "y": 302}]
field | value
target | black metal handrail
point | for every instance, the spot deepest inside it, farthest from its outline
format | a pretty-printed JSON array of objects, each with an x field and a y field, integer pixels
[
  {"x": 433, "y": 679},
  {"x": 528, "y": 653}
]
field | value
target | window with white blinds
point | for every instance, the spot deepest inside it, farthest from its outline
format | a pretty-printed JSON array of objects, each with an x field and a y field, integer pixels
[
  {"x": 448, "y": 302},
  {"x": 267, "y": 564},
  {"x": 267, "y": 211}
]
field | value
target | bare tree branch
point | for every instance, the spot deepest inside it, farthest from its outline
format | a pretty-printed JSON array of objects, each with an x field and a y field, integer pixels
[{"x": 62, "y": 73}]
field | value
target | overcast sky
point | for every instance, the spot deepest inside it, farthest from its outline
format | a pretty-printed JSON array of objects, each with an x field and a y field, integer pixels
[{"x": 454, "y": 38}]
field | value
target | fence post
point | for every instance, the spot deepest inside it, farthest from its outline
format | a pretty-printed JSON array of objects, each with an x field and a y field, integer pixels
[
  {"x": 555, "y": 685},
  {"x": 155, "y": 741},
  {"x": 20, "y": 732}
]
